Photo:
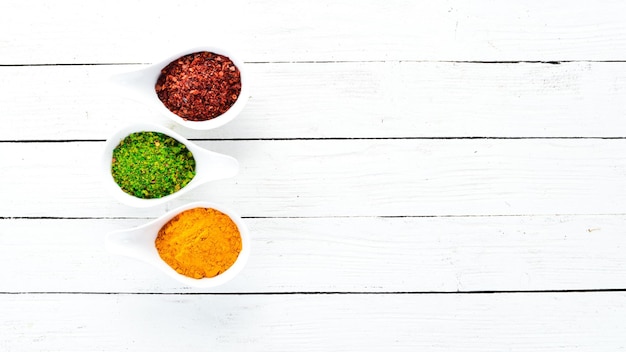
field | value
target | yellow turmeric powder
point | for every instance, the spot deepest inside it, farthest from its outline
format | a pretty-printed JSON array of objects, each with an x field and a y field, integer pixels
[{"x": 199, "y": 242}]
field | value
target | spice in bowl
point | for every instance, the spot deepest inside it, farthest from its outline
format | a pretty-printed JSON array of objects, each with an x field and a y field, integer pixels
[
  {"x": 199, "y": 86},
  {"x": 199, "y": 243},
  {"x": 152, "y": 165}
]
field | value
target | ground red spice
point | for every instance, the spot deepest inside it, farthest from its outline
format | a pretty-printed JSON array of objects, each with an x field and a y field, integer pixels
[{"x": 199, "y": 86}]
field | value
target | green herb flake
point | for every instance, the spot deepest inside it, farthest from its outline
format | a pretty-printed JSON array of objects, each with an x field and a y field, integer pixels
[{"x": 152, "y": 165}]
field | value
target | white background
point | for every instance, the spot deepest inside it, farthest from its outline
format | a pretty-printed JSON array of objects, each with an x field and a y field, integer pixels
[{"x": 432, "y": 176}]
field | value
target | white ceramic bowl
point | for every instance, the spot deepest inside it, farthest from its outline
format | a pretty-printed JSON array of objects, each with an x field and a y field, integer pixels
[
  {"x": 139, "y": 85},
  {"x": 210, "y": 166},
  {"x": 139, "y": 243}
]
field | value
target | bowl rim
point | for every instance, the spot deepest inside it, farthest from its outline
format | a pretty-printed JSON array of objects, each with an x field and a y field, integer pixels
[
  {"x": 152, "y": 227},
  {"x": 153, "y": 71},
  {"x": 107, "y": 154}
]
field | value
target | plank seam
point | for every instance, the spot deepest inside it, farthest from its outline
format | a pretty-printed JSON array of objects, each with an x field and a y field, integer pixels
[
  {"x": 333, "y": 139},
  {"x": 548, "y": 62},
  {"x": 310, "y": 293},
  {"x": 323, "y": 217}
]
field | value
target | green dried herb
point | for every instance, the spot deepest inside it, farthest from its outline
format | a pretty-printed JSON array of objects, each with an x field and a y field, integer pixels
[{"x": 152, "y": 165}]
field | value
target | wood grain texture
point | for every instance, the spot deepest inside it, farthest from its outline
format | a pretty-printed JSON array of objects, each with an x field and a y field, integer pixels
[
  {"x": 374, "y": 227},
  {"x": 133, "y": 31},
  {"x": 341, "y": 100},
  {"x": 312, "y": 178},
  {"x": 338, "y": 255},
  {"x": 518, "y": 322}
]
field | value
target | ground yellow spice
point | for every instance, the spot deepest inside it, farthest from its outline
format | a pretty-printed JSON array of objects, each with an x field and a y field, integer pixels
[{"x": 199, "y": 242}]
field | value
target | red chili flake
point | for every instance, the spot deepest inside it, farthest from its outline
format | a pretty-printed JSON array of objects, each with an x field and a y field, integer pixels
[{"x": 199, "y": 86}]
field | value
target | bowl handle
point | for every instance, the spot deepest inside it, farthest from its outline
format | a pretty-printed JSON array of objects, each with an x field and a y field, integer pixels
[
  {"x": 215, "y": 166},
  {"x": 131, "y": 243}
]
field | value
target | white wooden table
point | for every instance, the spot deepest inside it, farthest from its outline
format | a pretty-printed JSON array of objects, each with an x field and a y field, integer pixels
[{"x": 416, "y": 176}]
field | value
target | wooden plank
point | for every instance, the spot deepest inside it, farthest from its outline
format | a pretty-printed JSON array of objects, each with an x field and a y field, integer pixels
[
  {"x": 312, "y": 178},
  {"x": 518, "y": 322},
  {"x": 438, "y": 254},
  {"x": 40, "y": 32},
  {"x": 405, "y": 99}
]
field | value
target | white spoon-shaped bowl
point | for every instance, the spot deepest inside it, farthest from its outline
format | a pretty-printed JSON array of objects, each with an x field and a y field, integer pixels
[
  {"x": 140, "y": 86},
  {"x": 139, "y": 243},
  {"x": 210, "y": 166}
]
